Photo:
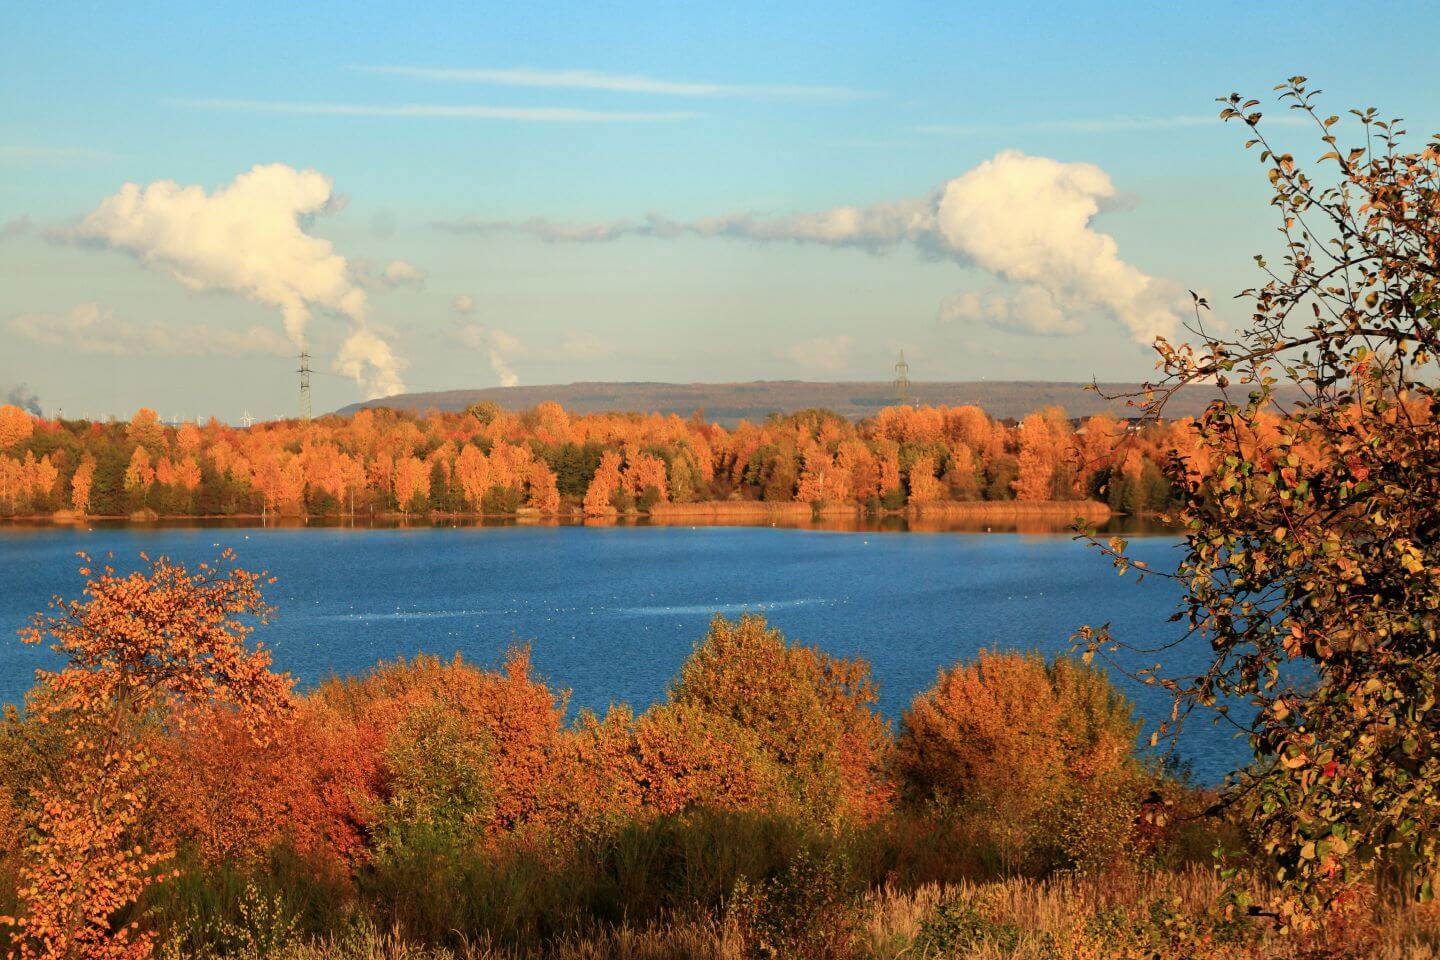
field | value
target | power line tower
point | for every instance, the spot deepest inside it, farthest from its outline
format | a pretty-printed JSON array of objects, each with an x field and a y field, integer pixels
[
  {"x": 304, "y": 372},
  {"x": 901, "y": 384}
]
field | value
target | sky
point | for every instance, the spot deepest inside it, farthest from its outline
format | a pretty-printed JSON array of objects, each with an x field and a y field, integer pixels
[{"x": 454, "y": 195}]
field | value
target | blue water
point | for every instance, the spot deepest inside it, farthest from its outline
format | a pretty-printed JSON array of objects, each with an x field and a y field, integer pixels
[{"x": 612, "y": 612}]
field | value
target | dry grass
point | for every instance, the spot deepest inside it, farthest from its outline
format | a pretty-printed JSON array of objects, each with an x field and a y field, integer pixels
[{"x": 1060, "y": 919}]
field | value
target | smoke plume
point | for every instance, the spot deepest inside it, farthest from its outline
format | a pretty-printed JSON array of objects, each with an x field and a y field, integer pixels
[
  {"x": 249, "y": 238},
  {"x": 1025, "y": 220},
  {"x": 23, "y": 397}
]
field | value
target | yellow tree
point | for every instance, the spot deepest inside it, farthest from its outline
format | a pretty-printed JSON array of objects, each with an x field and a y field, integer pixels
[
  {"x": 140, "y": 647},
  {"x": 16, "y": 425},
  {"x": 1037, "y": 459},
  {"x": 81, "y": 483},
  {"x": 145, "y": 428},
  {"x": 603, "y": 486}
]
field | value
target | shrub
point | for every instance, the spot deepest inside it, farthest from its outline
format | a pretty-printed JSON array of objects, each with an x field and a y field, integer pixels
[
  {"x": 813, "y": 714},
  {"x": 1019, "y": 741},
  {"x": 518, "y": 716},
  {"x": 963, "y": 922},
  {"x": 807, "y": 912}
]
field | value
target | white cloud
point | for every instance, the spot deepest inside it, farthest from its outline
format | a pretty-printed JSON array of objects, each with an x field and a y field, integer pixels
[
  {"x": 1027, "y": 220},
  {"x": 1024, "y": 219},
  {"x": 440, "y": 111},
  {"x": 500, "y": 347},
  {"x": 249, "y": 238},
  {"x": 617, "y": 83},
  {"x": 821, "y": 353},
  {"x": 91, "y": 328},
  {"x": 1031, "y": 309},
  {"x": 463, "y": 305},
  {"x": 396, "y": 273}
]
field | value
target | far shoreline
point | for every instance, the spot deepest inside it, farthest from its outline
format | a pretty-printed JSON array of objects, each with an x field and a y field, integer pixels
[{"x": 982, "y": 516}]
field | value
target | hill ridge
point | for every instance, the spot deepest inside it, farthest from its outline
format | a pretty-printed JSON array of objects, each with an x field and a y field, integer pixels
[{"x": 728, "y": 402}]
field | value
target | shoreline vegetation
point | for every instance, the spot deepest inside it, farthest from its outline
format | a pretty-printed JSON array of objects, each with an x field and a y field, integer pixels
[
  {"x": 431, "y": 809},
  {"x": 1049, "y": 514},
  {"x": 916, "y": 462}
]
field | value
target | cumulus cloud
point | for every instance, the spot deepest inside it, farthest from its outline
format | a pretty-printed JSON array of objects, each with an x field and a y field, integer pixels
[
  {"x": 821, "y": 353},
  {"x": 463, "y": 305},
  {"x": 249, "y": 238},
  {"x": 498, "y": 346},
  {"x": 92, "y": 328},
  {"x": 1026, "y": 220}
]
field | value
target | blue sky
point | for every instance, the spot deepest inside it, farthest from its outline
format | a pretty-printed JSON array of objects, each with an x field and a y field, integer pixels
[{"x": 598, "y": 114}]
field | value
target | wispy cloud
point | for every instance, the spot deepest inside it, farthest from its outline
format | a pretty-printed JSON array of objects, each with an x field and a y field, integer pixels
[
  {"x": 1119, "y": 124},
  {"x": 434, "y": 110},
  {"x": 91, "y": 328},
  {"x": 618, "y": 83},
  {"x": 34, "y": 152}
]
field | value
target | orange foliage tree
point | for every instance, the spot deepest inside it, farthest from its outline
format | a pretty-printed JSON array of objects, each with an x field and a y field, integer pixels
[
  {"x": 16, "y": 426},
  {"x": 813, "y": 714},
  {"x": 1012, "y": 736},
  {"x": 602, "y": 488},
  {"x": 141, "y": 648},
  {"x": 80, "y": 484}
]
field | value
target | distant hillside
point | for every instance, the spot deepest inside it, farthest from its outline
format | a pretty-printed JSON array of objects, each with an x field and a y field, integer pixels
[{"x": 729, "y": 403}]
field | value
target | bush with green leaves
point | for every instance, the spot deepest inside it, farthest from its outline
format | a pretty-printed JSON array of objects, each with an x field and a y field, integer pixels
[{"x": 1310, "y": 511}]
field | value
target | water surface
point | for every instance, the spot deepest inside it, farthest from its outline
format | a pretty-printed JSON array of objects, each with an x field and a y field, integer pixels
[{"x": 612, "y": 612}]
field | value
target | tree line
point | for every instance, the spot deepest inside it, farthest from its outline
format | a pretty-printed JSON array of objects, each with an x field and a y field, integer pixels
[{"x": 546, "y": 460}]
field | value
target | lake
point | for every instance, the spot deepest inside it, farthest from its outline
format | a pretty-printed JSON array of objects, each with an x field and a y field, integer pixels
[{"x": 612, "y": 612}]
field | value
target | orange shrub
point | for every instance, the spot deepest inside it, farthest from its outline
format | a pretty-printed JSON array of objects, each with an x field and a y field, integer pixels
[
  {"x": 812, "y": 714},
  {"x": 313, "y": 783},
  {"x": 684, "y": 756},
  {"x": 1014, "y": 736},
  {"x": 518, "y": 716}
]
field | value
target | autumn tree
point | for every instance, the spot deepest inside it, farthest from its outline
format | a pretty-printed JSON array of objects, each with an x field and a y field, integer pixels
[
  {"x": 146, "y": 429},
  {"x": 1036, "y": 461},
  {"x": 1311, "y": 564},
  {"x": 141, "y": 648},
  {"x": 16, "y": 425},
  {"x": 81, "y": 482},
  {"x": 542, "y": 493},
  {"x": 603, "y": 486},
  {"x": 925, "y": 487}
]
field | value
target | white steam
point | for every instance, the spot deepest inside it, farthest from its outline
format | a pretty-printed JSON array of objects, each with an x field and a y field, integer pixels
[
  {"x": 249, "y": 238},
  {"x": 1025, "y": 220},
  {"x": 498, "y": 346}
]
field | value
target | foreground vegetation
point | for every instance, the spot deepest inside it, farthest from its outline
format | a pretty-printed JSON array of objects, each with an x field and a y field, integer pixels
[{"x": 165, "y": 791}]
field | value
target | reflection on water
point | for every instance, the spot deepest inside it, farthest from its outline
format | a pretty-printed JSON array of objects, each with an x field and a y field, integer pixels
[{"x": 840, "y": 523}]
